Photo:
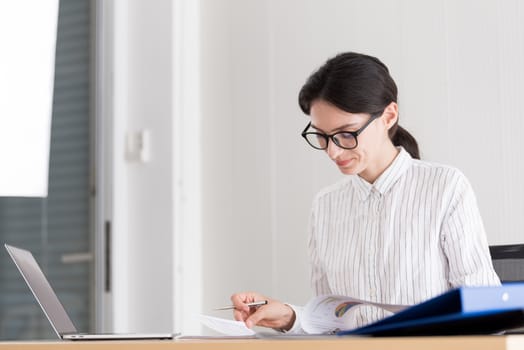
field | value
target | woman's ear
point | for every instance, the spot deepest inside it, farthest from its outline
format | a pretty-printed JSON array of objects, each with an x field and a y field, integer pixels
[{"x": 390, "y": 115}]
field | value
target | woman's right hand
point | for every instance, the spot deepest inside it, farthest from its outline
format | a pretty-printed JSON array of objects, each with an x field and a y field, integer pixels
[{"x": 274, "y": 314}]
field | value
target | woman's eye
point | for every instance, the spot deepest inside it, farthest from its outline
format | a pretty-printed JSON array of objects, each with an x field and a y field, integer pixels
[{"x": 345, "y": 135}]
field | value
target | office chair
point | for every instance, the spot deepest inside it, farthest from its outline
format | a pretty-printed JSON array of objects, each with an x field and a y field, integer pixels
[{"x": 508, "y": 261}]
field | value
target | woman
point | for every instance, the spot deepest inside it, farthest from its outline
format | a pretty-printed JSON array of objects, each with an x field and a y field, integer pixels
[{"x": 396, "y": 230}]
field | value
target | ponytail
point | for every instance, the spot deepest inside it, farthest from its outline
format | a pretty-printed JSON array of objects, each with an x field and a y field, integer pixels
[{"x": 401, "y": 137}]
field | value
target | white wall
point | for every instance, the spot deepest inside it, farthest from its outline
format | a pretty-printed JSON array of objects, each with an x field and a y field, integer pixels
[{"x": 457, "y": 65}]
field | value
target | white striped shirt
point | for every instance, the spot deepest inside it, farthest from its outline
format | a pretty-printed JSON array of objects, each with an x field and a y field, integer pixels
[{"x": 414, "y": 233}]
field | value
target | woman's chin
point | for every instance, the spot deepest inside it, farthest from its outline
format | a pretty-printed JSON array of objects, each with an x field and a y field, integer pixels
[{"x": 348, "y": 170}]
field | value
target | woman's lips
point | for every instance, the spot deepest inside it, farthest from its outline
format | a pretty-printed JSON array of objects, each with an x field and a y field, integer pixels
[{"x": 343, "y": 163}]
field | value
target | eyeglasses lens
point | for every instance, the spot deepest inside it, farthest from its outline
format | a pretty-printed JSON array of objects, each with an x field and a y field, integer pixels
[
  {"x": 345, "y": 140},
  {"x": 318, "y": 141}
]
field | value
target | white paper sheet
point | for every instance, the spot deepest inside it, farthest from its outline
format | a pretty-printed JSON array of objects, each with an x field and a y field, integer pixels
[{"x": 225, "y": 326}]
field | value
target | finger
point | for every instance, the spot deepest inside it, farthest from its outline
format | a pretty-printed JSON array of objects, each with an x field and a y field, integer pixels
[
  {"x": 237, "y": 298},
  {"x": 244, "y": 297},
  {"x": 237, "y": 315},
  {"x": 240, "y": 315},
  {"x": 255, "y": 318},
  {"x": 240, "y": 300},
  {"x": 241, "y": 307}
]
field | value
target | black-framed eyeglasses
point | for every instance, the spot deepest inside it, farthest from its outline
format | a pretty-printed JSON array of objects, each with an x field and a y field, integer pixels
[{"x": 343, "y": 139}]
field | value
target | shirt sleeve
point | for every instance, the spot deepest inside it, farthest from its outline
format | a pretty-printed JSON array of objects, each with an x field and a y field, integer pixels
[
  {"x": 464, "y": 241},
  {"x": 297, "y": 326}
]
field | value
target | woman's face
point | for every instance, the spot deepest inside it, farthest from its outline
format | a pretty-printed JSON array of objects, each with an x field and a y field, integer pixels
[{"x": 366, "y": 158}]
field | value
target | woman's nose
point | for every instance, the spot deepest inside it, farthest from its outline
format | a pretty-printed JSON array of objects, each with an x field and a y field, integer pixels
[{"x": 333, "y": 150}]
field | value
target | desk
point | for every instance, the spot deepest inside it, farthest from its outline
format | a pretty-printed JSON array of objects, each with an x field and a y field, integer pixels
[{"x": 509, "y": 342}]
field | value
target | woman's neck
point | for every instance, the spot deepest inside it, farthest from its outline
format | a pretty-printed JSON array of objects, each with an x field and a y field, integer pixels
[{"x": 373, "y": 171}]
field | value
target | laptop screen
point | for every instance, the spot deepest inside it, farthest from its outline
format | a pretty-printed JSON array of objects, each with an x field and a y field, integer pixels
[{"x": 44, "y": 294}]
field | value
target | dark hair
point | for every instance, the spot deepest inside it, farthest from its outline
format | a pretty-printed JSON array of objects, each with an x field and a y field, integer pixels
[{"x": 356, "y": 83}]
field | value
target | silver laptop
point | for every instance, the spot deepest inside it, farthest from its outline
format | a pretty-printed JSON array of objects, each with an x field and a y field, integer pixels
[{"x": 53, "y": 309}]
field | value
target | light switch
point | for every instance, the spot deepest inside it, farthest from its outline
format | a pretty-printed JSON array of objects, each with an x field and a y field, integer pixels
[{"x": 138, "y": 146}]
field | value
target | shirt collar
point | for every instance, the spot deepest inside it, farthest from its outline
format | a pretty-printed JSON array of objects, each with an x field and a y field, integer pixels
[{"x": 385, "y": 181}]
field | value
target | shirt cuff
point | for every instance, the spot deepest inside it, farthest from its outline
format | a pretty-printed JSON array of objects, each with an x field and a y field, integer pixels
[{"x": 297, "y": 326}]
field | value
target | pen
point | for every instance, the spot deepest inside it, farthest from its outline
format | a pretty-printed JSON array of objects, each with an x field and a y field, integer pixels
[{"x": 253, "y": 304}]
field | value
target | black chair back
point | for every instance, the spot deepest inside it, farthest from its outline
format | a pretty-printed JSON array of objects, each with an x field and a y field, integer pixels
[{"x": 508, "y": 261}]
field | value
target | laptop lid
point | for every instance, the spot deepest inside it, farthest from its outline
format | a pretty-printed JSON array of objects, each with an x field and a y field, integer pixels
[
  {"x": 42, "y": 291},
  {"x": 53, "y": 309}
]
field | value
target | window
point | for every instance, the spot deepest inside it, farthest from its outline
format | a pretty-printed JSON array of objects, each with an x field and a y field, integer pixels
[{"x": 57, "y": 229}]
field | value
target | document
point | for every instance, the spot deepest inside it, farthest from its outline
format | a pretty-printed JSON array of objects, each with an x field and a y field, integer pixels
[
  {"x": 330, "y": 313},
  {"x": 322, "y": 315}
]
